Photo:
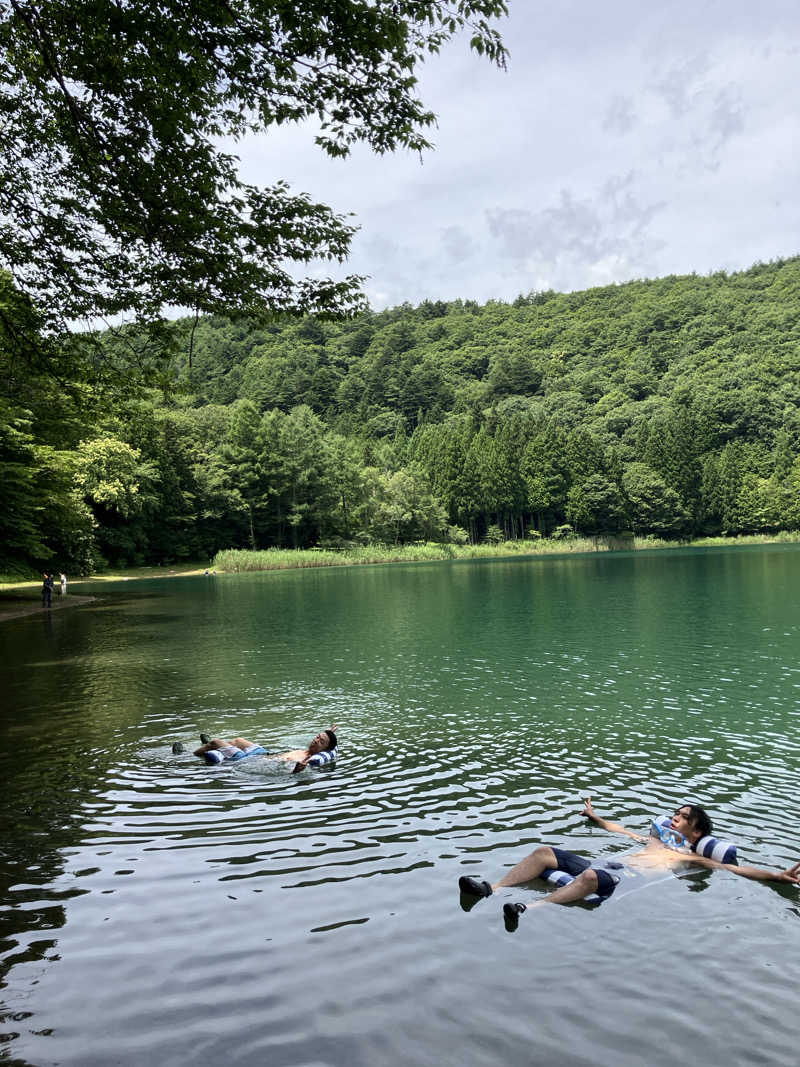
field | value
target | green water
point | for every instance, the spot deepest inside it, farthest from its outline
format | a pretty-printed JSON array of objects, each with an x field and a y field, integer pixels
[{"x": 158, "y": 911}]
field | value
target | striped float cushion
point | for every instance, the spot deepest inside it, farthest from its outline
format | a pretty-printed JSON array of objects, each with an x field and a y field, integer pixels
[{"x": 322, "y": 758}]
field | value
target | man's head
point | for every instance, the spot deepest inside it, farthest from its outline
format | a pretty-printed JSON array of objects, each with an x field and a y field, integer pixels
[
  {"x": 692, "y": 821},
  {"x": 323, "y": 742}
]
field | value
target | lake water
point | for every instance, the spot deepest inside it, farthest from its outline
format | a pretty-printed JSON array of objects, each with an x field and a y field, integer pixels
[{"x": 156, "y": 911}]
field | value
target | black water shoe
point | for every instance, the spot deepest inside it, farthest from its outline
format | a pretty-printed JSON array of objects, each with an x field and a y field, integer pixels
[
  {"x": 204, "y": 739},
  {"x": 177, "y": 748},
  {"x": 474, "y": 887},
  {"x": 511, "y": 914}
]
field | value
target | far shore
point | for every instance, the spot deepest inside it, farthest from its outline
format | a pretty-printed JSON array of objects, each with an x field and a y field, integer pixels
[{"x": 21, "y": 598}]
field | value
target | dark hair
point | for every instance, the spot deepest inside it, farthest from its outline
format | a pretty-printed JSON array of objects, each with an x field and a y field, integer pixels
[
  {"x": 699, "y": 819},
  {"x": 331, "y": 739}
]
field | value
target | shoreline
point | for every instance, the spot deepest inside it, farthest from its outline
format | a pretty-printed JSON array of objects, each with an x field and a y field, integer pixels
[
  {"x": 15, "y": 604},
  {"x": 14, "y": 607}
]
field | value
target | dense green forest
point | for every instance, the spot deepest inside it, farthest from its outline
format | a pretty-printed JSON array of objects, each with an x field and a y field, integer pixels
[{"x": 667, "y": 407}]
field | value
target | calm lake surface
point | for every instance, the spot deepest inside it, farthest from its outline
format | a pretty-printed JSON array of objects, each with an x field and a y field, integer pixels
[{"x": 160, "y": 912}]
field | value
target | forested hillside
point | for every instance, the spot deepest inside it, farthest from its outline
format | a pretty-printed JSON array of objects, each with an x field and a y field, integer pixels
[{"x": 667, "y": 407}]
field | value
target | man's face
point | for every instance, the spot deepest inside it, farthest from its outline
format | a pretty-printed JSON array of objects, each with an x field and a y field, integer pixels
[
  {"x": 319, "y": 744},
  {"x": 681, "y": 823}
]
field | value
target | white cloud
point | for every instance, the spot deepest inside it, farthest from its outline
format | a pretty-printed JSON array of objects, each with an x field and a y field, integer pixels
[
  {"x": 626, "y": 140},
  {"x": 596, "y": 240},
  {"x": 620, "y": 116},
  {"x": 457, "y": 243}
]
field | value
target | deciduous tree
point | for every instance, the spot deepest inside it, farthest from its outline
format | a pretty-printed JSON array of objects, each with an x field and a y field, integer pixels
[{"x": 117, "y": 190}]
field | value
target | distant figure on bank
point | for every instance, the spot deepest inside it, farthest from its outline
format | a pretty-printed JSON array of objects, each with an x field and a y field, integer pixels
[
  {"x": 667, "y": 847},
  {"x": 63, "y": 585},
  {"x": 240, "y": 747},
  {"x": 47, "y": 591}
]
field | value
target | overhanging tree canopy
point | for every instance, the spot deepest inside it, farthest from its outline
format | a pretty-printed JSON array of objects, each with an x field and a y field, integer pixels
[{"x": 115, "y": 196}]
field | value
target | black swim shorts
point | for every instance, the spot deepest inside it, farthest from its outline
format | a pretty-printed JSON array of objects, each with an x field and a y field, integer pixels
[{"x": 573, "y": 864}]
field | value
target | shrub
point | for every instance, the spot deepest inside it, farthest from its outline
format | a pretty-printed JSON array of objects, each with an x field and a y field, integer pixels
[
  {"x": 563, "y": 533},
  {"x": 457, "y": 535}
]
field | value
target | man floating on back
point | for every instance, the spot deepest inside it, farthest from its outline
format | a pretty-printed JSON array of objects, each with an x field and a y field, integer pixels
[
  {"x": 672, "y": 843},
  {"x": 215, "y": 750}
]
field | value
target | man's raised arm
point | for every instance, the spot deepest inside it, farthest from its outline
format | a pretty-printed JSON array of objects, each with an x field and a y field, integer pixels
[{"x": 615, "y": 827}]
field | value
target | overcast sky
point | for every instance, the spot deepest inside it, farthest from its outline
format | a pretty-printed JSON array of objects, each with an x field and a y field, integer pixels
[{"x": 626, "y": 140}]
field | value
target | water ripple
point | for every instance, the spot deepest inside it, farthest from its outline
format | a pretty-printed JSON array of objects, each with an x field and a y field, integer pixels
[{"x": 246, "y": 913}]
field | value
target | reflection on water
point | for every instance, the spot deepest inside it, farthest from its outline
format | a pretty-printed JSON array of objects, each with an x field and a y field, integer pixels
[{"x": 155, "y": 909}]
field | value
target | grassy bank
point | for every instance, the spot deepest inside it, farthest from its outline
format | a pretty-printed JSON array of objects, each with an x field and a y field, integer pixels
[
  {"x": 276, "y": 559},
  {"x": 236, "y": 561},
  {"x": 241, "y": 560}
]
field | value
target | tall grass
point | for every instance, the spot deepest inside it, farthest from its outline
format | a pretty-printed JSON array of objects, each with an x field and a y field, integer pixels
[
  {"x": 239, "y": 560},
  {"x": 234, "y": 560},
  {"x": 786, "y": 537}
]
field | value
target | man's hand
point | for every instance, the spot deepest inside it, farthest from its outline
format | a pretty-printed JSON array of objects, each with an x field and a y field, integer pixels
[
  {"x": 588, "y": 811},
  {"x": 300, "y": 765},
  {"x": 791, "y": 875}
]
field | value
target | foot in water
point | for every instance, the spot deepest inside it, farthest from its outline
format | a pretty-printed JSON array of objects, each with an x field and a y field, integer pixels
[
  {"x": 511, "y": 914},
  {"x": 177, "y": 748},
  {"x": 204, "y": 739},
  {"x": 474, "y": 887}
]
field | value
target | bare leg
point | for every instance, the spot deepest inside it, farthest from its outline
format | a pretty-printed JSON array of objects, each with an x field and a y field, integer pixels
[
  {"x": 582, "y": 886},
  {"x": 531, "y": 867},
  {"x": 241, "y": 742},
  {"x": 215, "y": 742}
]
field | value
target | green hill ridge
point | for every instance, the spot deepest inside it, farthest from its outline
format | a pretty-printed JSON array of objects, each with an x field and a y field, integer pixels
[{"x": 668, "y": 407}]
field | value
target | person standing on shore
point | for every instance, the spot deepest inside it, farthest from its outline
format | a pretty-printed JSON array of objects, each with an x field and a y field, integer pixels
[
  {"x": 47, "y": 591},
  {"x": 63, "y": 585}
]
